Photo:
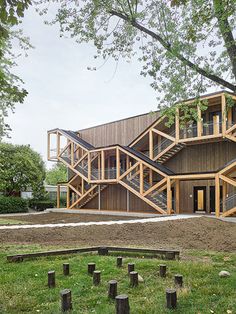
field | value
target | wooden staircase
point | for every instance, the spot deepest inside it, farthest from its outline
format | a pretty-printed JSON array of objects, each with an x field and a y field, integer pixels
[{"x": 170, "y": 153}]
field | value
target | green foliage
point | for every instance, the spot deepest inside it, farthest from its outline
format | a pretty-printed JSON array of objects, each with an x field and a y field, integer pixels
[
  {"x": 41, "y": 205},
  {"x": 12, "y": 205},
  {"x": 21, "y": 168},
  {"x": 11, "y": 92},
  {"x": 24, "y": 286},
  {"x": 58, "y": 173},
  {"x": 187, "y": 113},
  {"x": 185, "y": 46},
  {"x": 230, "y": 102}
]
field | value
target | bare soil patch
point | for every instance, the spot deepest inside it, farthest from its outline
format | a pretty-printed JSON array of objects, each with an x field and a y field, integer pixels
[
  {"x": 54, "y": 218},
  {"x": 197, "y": 233}
]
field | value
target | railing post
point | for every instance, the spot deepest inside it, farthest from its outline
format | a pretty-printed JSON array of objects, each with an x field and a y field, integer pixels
[
  {"x": 103, "y": 164},
  {"x": 229, "y": 118},
  {"x": 117, "y": 163},
  {"x": 150, "y": 144},
  {"x": 223, "y": 110},
  {"x": 224, "y": 192},
  {"x": 169, "y": 197},
  {"x": 72, "y": 153},
  {"x": 89, "y": 166},
  {"x": 58, "y": 144},
  {"x": 141, "y": 178}
]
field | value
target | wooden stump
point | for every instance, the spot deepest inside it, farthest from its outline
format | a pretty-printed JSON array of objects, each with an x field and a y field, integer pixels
[
  {"x": 162, "y": 271},
  {"x": 122, "y": 304},
  {"x": 51, "y": 279},
  {"x": 112, "y": 289},
  {"x": 179, "y": 280},
  {"x": 91, "y": 268},
  {"x": 66, "y": 269},
  {"x": 66, "y": 303},
  {"x": 170, "y": 255},
  {"x": 103, "y": 251},
  {"x": 130, "y": 267},
  {"x": 96, "y": 277},
  {"x": 171, "y": 299},
  {"x": 119, "y": 261},
  {"x": 133, "y": 279}
]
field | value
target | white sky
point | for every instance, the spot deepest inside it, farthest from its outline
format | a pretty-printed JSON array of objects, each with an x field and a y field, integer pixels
[{"x": 64, "y": 94}]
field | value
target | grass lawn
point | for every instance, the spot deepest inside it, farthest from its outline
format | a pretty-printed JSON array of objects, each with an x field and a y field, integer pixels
[
  {"x": 23, "y": 286},
  {"x": 5, "y": 221}
]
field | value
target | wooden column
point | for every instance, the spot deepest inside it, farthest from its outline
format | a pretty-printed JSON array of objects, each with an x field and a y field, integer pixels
[
  {"x": 217, "y": 195},
  {"x": 177, "y": 125},
  {"x": 99, "y": 197},
  {"x": 199, "y": 122},
  {"x": 223, "y": 110},
  {"x": 68, "y": 197},
  {"x": 72, "y": 153},
  {"x": 117, "y": 163},
  {"x": 99, "y": 166},
  {"x": 89, "y": 166},
  {"x": 177, "y": 196},
  {"x": 150, "y": 177},
  {"x": 224, "y": 192},
  {"x": 82, "y": 186},
  {"x": 229, "y": 117},
  {"x": 58, "y": 195},
  {"x": 150, "y": 144},
  {"x": 169, "y": 197},
  {"x": 58, "y": 144},
  {"x": 103, "y": 164},
  {"x": 127, "y": 200},
  {"x": 141, "y": 178}
]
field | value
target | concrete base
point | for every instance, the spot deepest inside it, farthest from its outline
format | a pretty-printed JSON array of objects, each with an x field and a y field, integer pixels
[{"x": 101, "y": 212}]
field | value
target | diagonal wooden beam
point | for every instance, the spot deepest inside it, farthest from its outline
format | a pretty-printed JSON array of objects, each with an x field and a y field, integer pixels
[
  {"x": 74, "y": 189},
  {"x": 129, "y": 170},
  {"x": 171, "y": 138},
  {"x": 83, "y": 196},
  {"x": 143, "y": 198},
  {"x": 229, "y": 212},
  {"x": 156, "y": 186},
  {"x": 231, "y": 129},
  {"x": 228, "y": 180},
  {"x": 164, "y": 151}
]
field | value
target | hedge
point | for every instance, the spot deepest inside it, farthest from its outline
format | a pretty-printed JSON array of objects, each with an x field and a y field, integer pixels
[
  {"x": 13, "y": 205},
  {"x": 41, "y": 204}
]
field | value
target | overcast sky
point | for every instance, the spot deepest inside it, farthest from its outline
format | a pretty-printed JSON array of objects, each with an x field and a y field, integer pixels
[{"x": 64, "y": 94}]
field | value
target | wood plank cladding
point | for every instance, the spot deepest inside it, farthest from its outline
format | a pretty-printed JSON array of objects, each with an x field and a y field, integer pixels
[
  {"x": 114, "y": 198},
  {"x": 202, "y": 157},
  {"x": 118, "y": 132}
]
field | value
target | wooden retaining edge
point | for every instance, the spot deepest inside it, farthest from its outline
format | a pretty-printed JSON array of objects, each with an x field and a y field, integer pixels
[{"x": 20, "y": 257}]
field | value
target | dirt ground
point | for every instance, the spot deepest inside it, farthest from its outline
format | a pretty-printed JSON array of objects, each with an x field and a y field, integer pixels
[
  {"x": 53, "y": 218},
  {"x": 197, "y": 233}
]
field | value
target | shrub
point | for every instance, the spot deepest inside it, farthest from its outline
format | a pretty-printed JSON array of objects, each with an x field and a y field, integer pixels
[
  {"x": 41, "y": 204},
  {"x": 13, "y": 205}
]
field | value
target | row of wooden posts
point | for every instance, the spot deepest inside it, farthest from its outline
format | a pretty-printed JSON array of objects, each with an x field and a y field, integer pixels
[{"x": 122, "y": 301}]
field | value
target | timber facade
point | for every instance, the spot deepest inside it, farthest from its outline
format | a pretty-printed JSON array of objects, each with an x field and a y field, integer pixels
[{"x": 141, "y": 165}]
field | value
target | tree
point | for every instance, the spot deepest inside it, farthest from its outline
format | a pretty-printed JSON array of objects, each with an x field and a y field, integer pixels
[
  {"x": 58, "y": 173},
  {"x": 11, "y": 91},
  {"x": 21, "y": 168},
  {"x": 185, "y": 46}
]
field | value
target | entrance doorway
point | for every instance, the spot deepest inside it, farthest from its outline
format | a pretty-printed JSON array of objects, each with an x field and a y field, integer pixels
[{"x": 199, "y": 199}]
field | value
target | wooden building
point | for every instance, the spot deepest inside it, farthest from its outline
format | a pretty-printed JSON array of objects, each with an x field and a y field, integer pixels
[{"x": 139, "y": 164}]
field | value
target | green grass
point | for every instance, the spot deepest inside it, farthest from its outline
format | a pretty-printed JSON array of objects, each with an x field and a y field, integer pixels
[
  {"x": 4, "y": 221},
  {"x": 23, "y": 286}
]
